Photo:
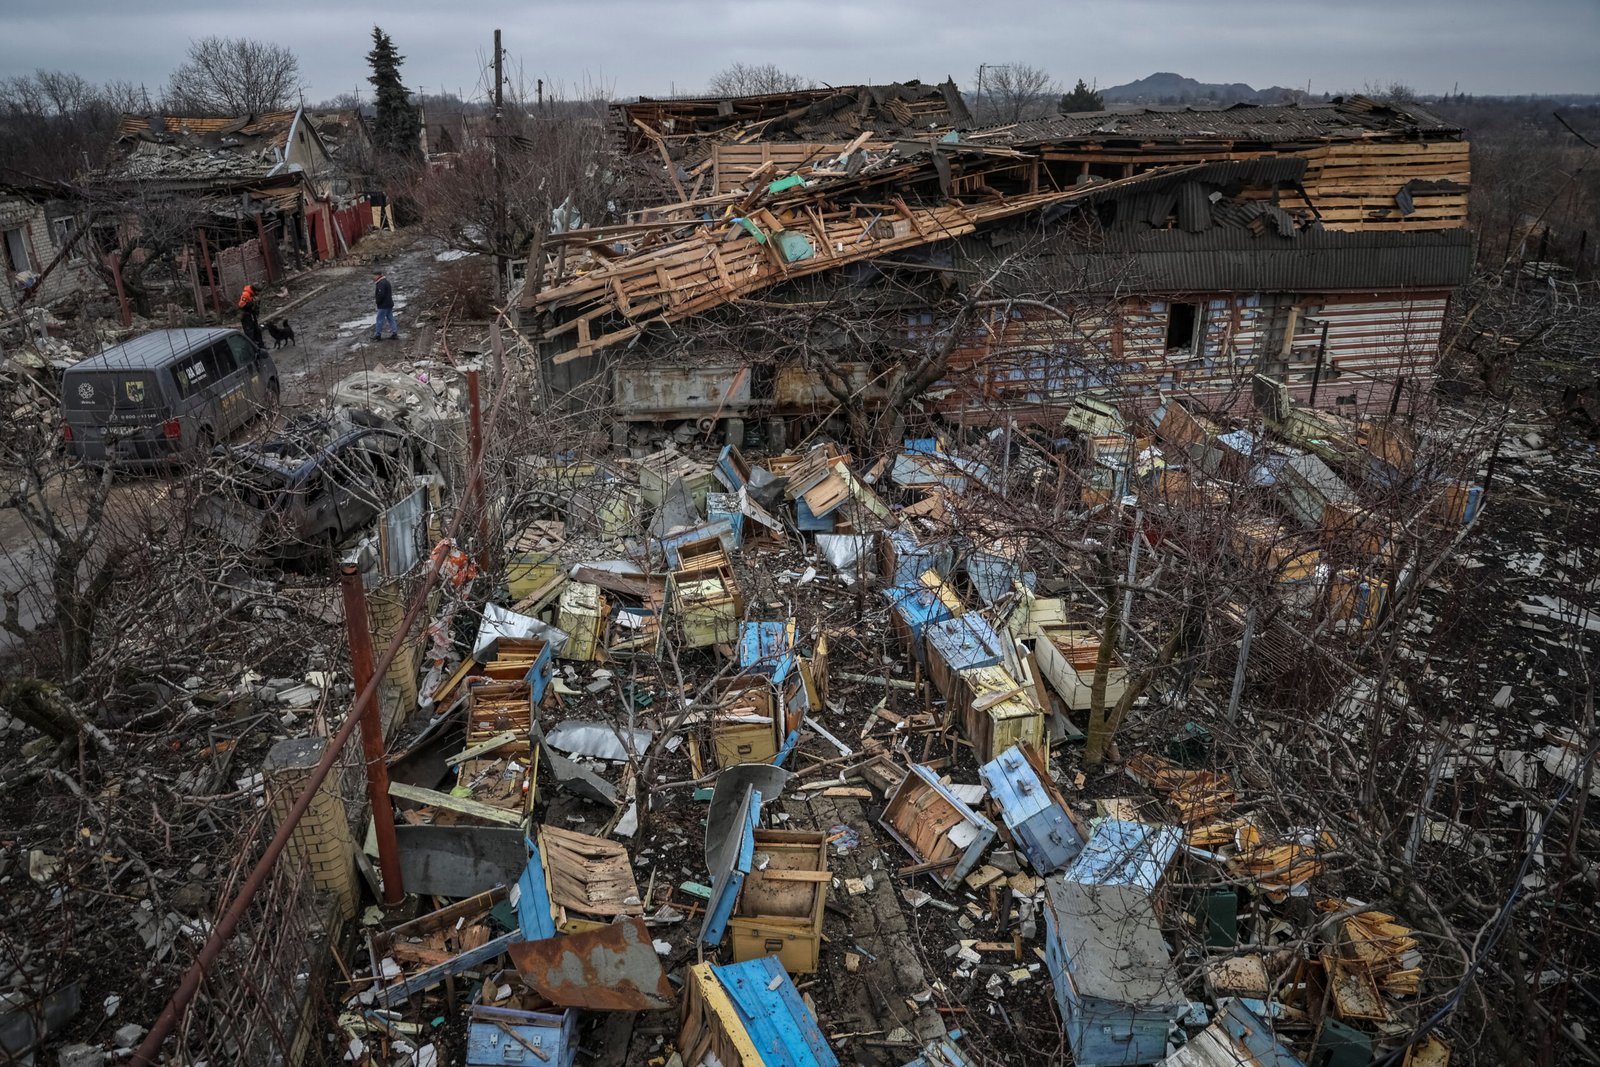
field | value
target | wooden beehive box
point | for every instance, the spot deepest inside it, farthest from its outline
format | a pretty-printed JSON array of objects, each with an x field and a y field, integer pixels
[
  {"x": 935, "y": 826},
  {"x": 998, "y": 711},
  {"x": 747, "y": 724},
  {"x": 581, "y": 614},
  {"x": 1067, "y": 656},
  {"x": 779, "y": 912},
  {"x": 497, "y": 707},
  {"x": 531, "y": 559}
]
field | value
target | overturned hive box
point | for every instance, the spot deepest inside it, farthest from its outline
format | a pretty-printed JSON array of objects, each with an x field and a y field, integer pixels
[
  {"x": 779, "y": 912},
  {"x": 943, "y": 835}
]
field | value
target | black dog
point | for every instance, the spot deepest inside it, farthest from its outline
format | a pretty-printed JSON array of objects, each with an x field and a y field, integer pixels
[{"x": 282, "y": 333}]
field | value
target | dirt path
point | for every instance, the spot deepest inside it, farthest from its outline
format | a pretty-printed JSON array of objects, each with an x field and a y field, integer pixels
[{"x": 333, "y": 329}]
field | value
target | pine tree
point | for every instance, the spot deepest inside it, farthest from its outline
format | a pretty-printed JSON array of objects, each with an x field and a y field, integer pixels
[
  {"x": 397, "y": 129},
  {"x": 1082, "y": 98}
]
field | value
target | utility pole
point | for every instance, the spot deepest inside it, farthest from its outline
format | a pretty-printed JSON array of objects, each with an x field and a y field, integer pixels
[
  {"x": 499, "y": 170},
  {"x": 539, "y": 94}
]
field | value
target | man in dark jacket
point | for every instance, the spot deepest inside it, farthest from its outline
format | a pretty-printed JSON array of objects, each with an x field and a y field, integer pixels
[{"x": 383, "y": 296}]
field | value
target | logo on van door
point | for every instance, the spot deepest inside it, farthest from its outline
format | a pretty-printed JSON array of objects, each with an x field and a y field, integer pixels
[
  {"x": 135, "y": 391},
  {"x": 85, "y": 391}
]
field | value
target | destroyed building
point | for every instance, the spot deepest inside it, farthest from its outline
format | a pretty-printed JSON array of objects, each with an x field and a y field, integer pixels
[
  {"x": 264, "y": 191},
  {"x": 1318, "y": 244}
]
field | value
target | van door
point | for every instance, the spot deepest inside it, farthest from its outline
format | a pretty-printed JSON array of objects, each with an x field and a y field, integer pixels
[
  {"x": 251, "y": 369},
  {"x": 231, "y": 391}
]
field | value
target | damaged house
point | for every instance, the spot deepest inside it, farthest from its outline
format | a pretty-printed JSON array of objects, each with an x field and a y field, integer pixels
[
  {"x": 262, "y": 191},
  {"x": 1318, "y": 245},
  {"x": 41, "y": 248}
]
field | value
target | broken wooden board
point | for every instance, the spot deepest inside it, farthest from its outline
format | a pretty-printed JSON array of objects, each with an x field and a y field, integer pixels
[
  {"x": 589, "y": 875},
  {"x": 434, "y": 799}
]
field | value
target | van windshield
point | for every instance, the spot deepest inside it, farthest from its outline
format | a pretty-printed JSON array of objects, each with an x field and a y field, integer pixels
[{"x": 112, "y": 392}]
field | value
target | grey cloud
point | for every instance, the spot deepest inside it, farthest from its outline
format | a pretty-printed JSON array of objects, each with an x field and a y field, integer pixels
[{"x": 640, "y": 46}]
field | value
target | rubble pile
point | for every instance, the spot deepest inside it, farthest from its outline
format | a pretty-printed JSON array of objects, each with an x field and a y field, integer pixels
[{"x": 786, "y": 745}]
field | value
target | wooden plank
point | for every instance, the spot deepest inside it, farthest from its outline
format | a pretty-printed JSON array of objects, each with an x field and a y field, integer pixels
[
  {"x": 460, "y": 805},
  {"x": 483, "y": 748}
]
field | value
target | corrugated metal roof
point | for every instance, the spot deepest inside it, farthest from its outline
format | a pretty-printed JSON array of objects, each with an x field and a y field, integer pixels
[{"x": 1232, "y": 259}]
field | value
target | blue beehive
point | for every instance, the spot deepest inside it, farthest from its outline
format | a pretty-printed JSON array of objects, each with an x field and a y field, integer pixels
[
  {"x": 774, "y": 1018},
  {"x": 907, "y": 558},
  {"x": 1123, "y": 852},
  {"x": 1112, "y": 973},
  {"x": 724, "y": 507},
  {"x": 766, "y": 648},
  {"x": 1033, "y": 810},
  {"x": 806, "y": 522},
  {"x": 918, "y": 605},
  {"x": 958, "y": 644},
  {"x": 490, "y": 1040}
]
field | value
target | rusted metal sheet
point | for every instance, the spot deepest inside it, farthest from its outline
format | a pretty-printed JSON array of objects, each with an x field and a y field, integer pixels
[
  {"x": 798, "y": 389},
  {"x": 611, "y": 968},
  {"x": 653, "y": 391}
]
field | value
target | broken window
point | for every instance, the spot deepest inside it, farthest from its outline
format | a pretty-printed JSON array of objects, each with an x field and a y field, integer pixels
[
  {"x": 1183, "y": 323},
  {"x": 16, "y": 245},
  {"x": 62, "y": 231}
]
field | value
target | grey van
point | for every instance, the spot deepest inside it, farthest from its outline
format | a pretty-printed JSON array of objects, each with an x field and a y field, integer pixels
[{"x": 148, "y": 399}]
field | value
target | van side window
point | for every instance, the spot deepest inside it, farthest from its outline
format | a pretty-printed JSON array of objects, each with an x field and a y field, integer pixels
[
  {"x": 191, "y": 374},
  {"x": 219, "y": 361},
  {"x": 244, "y": 353}
]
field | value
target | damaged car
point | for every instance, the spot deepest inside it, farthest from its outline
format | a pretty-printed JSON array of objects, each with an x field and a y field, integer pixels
[{"x": 313, "y": 486}]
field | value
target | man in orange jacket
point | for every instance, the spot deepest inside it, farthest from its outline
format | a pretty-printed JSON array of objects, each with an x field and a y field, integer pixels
[{"x": 248, "y": 317}]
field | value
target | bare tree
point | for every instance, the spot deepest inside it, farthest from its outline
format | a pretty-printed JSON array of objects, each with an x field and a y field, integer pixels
[
  {"x": 54, "y": 124},
  {"x": 558, "y": 158},
  {"x": 1011, "y": 92},
  {"x": 753, "y": 79},
  {"x": 234, "y": 76}
]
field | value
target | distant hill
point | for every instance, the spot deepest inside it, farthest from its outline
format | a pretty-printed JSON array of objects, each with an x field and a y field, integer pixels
[{"x": 1169, "y": 88}]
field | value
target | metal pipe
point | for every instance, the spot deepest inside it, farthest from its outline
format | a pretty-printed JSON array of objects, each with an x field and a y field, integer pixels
[
  {"x": 357, "y": 624},
  {"x": 1316, "y": 374}
]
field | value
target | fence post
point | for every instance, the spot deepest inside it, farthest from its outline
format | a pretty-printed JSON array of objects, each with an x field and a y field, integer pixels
[{"x": 356, "y": 624}]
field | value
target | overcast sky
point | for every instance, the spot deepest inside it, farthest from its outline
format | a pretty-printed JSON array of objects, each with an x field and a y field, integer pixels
[{"x": 629, "y": 47}]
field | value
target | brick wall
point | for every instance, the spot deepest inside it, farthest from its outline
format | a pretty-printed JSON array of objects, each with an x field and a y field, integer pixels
[
  {"x": 32, "y": 220},
  {"x": 322, "y": 840}
]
